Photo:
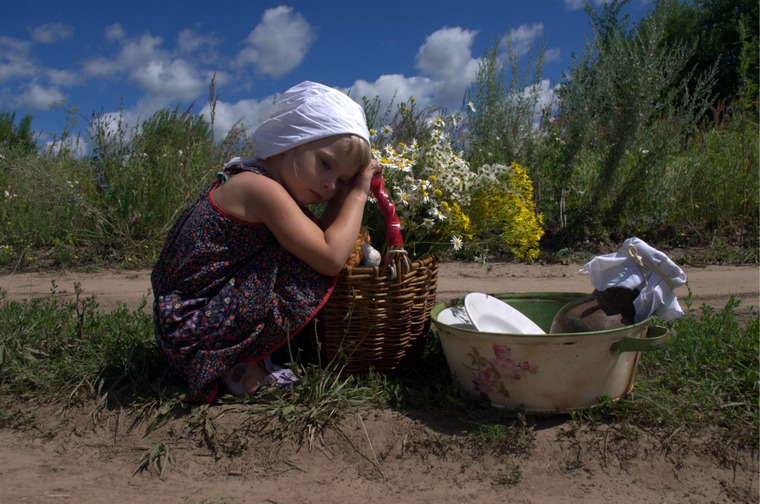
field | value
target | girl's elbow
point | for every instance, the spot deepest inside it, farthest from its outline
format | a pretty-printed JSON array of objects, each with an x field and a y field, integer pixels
[
  {"x": 332, "y": 272},
  {"x": 329, "y": 268}
]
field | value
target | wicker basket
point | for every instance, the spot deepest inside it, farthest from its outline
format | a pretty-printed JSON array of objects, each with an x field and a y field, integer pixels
[{"x": 378, "y": 317}]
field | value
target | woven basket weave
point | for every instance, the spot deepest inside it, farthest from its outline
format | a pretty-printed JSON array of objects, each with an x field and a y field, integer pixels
[{"x": 378, "y": 317}]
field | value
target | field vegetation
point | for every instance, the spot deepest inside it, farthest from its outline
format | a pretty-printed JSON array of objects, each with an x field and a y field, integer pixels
[{"x": 653, "y": 133}]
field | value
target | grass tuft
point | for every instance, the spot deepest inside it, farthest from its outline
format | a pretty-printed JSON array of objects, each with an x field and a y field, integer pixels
[{"x": 156, "y": 459}]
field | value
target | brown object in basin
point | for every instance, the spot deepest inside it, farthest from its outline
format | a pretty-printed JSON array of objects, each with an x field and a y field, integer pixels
[{"x": 599, "y": 311}]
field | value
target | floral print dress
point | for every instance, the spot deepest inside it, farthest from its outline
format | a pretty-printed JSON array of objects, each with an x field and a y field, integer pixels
[{"x": 226, "y": 291}]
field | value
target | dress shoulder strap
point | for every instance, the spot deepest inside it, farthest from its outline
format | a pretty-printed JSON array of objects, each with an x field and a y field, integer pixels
[{"x": 238, "y": 165}]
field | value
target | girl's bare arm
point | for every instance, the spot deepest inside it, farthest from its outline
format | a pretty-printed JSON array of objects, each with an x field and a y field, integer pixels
[{"x": 323, "y": 248}]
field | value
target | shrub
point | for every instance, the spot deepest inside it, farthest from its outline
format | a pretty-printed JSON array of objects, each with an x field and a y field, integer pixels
[
  {"x": 504, "y": 214},
  {"x": 625, "y": 109},
  {"x": 16, "y": 137}
]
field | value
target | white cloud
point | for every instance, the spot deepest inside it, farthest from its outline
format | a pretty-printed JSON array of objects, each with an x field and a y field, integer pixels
[
  {"x": 447, "y": 79},
  {"x": 15, "y": 60},
  {"x": 39, "y": 98},
  {"x": 164, "y": 78},
  {"x": 279, "y": 43},
  {"x": 446, "y": 56},
  {"x": 138, "y": 53},
  {"x": 202, "y": 47},
  {"x": 574, "y": 4},
  {"x": 133, "y": 55},
  {"x": 552, "y": 55},
  {"x": 189, "y": 41},
  {"x": 228, "y": 115},
  {"x": 50, "y": 32},
  {"x": 115, "y": 32},
  {"x": 447, "y": 70},
  {"x": 394, "y": 88},
  {"x": 64, "y": 78},
  {"x": 28, "y": 82},
  {"x": 161, "y": 75},
  {"x": 524, "y": 37},
  {"x": 446, "y": 53},
  {"x": 175, "y": 80}
]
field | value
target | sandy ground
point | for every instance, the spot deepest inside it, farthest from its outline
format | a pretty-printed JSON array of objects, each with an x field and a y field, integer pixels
[{"x": 376, "y": 456}]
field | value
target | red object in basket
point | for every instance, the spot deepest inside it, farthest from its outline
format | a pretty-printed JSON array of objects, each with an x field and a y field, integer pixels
[{"x": 388, "y": 209}]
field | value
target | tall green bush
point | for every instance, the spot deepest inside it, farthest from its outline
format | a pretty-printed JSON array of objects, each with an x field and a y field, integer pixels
[
  {"x": 720, "y": 30},
  {"x": 501, "y": 113},
  {"x": 139, "y": 177},
  {"x": 625, "y": 109},
  {"x": 43, "y": 212},
  {"x": 715, "y": 182},
  {"x": 16, "y": 136},
  {"x": 116, "y": 202}
]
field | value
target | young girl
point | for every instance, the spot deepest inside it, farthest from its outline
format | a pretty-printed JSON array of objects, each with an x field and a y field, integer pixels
[{"x": 247, "y": 265}]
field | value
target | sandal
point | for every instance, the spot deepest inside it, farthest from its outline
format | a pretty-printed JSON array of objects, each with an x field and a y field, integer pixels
[
  {"x": 245, "y": 378},
  {"x": 279, "y": 376}
]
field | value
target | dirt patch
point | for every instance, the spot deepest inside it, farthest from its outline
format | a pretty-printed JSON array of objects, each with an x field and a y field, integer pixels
[
  {"x": 374, "y": 456},
  {"x": 711, "y": 284}
]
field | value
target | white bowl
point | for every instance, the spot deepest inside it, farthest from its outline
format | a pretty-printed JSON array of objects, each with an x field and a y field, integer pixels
[
  {"x": 492, "y": 315},
  {"x": 456, "y": 316}
]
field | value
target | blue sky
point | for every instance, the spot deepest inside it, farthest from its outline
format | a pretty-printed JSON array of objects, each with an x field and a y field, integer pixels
[{"x": 140, "y": 56}]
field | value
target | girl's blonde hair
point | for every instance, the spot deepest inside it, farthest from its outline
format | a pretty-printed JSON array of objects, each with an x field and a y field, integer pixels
[{"x": 359, "y": 148}]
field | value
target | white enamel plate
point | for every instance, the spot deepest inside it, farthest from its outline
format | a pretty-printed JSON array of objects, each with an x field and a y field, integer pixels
[
  {"x": 492, "y": 315},
  {"x": 456, "y": 316}
]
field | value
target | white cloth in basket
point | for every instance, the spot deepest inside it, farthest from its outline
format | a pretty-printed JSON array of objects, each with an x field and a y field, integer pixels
[{"x": 638, "y": 266}]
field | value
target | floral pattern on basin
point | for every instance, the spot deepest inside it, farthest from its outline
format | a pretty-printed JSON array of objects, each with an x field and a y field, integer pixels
[{"x": 492, "y": 374}]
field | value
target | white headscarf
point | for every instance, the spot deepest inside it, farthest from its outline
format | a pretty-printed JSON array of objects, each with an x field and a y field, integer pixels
[{"x": 306, "y": 112}]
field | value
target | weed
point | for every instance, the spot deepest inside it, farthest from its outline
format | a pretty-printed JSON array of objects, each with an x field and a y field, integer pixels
[
  {"x": 514, "y": 435},
  {"x": 69, "y": 352},
  {"x": 433, "y": 442},
  {"x": 510, "y": 475},
  {"x": 14, "y": 418},
  {"x": 157, "y": 411},
  {"x": 156, "y": 459},
  {"x": 313, "y": 404},
  {"x": 201, "y": 423}
]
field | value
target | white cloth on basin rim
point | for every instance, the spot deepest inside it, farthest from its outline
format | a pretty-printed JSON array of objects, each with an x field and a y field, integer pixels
[{"x": 623, "y": 269}]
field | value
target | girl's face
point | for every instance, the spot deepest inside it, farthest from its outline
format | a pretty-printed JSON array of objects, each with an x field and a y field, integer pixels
[{"x": 312, "y": 172}]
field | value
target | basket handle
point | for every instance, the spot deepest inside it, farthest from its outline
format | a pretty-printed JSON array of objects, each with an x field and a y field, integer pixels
[
  {"x": 393, "y": 237},
  {"x": 396, "y": 258}
]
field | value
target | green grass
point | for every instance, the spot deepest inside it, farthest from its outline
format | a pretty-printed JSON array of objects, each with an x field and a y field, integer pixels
[
  {"x": 70, "y": 352},
  {"x": 704, "y": 384},
  {"x": 708, "y": 376}
]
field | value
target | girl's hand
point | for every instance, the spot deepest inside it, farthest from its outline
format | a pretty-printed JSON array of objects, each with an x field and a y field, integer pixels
[{"x": 361, "y": 181}]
